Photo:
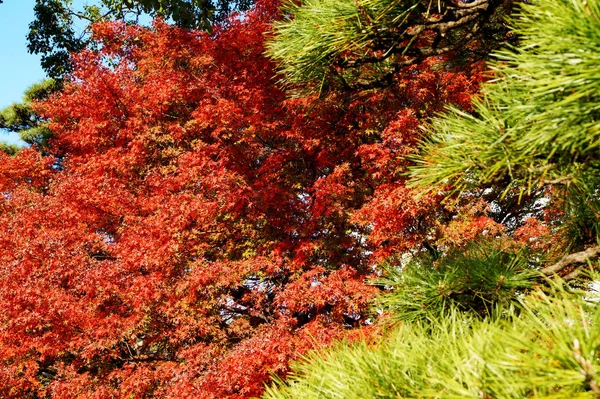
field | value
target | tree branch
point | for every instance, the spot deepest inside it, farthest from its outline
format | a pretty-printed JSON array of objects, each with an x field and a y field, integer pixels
[
  {"x": 577, "y": 259},
  {"x": 398, "y": 41}
]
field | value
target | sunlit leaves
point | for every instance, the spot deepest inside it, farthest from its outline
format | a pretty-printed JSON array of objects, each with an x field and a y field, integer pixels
[{"x": 189, "y": 229}]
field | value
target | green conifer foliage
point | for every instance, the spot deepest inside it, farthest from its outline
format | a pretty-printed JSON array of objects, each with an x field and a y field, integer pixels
[
  {"x": 537, "y": 122},
  {"x": 481, "y": 279},
  {"x": 362, "y": 44},
  {"x": 548, "y": 349},
  {"x": 20, "y": 117}
]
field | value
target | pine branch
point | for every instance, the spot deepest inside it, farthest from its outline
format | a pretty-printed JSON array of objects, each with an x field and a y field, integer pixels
[
  {"x": 361, "y": 36},
  {"x": 577, "y": 259}
]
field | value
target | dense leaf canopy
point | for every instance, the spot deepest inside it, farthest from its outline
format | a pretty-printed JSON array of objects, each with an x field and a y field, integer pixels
[
  {"x": 183, "y": 228},
  {"x": 188, "y": 229}
]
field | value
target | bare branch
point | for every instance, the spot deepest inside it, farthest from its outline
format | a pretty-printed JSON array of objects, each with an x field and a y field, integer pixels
[{"x": 577, "y": 259}]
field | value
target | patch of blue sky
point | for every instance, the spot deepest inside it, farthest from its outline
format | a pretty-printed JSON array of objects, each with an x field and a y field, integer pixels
[{"x": 18, "y": 68}]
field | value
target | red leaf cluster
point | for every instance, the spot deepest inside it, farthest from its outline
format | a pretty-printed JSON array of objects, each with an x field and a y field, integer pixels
[{"x": 191, "y": 229}]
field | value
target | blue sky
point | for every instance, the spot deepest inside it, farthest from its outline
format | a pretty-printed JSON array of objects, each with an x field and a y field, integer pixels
[{"x": 18, "y": 69}]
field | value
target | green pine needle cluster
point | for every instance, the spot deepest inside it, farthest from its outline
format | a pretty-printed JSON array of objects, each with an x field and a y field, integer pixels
[
  {"x": 9, "y": 149},
  {"x": 538, "y": 120},
  {"x": 20, "y": 117},
  {"x": 549, "y": 349},
  {"x": 318, "y": 32},
  {"x": 482, "y": 279}
]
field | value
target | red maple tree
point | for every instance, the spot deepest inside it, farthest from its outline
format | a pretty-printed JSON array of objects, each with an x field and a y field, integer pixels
[{"x": 190, "y": 229}]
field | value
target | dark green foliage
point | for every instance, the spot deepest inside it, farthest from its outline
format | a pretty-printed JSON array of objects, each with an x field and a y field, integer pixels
[
  {"x": 479, "y": 279},
  {"x": 52, "y": 36},
  {"x": 8, "y": 148},
  {"x": 196, "y": 14},
  {"x": 581, "y": 220},
  {"x": 20, "y": 118}
]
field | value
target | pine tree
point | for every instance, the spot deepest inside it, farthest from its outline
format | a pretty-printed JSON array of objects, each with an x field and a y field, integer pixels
[
  {"x": 536, "y": 124},
  {"x": 535, "y": 129},
  {"x": 545, "y": 348},
  {"x": 20, "y": 117}
]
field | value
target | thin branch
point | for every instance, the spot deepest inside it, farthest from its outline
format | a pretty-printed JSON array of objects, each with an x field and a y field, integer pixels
[
  {"x": 576, "y": 259},
  {"x": 473, "y": 4},
  {"x": 390, "y": 41}
]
